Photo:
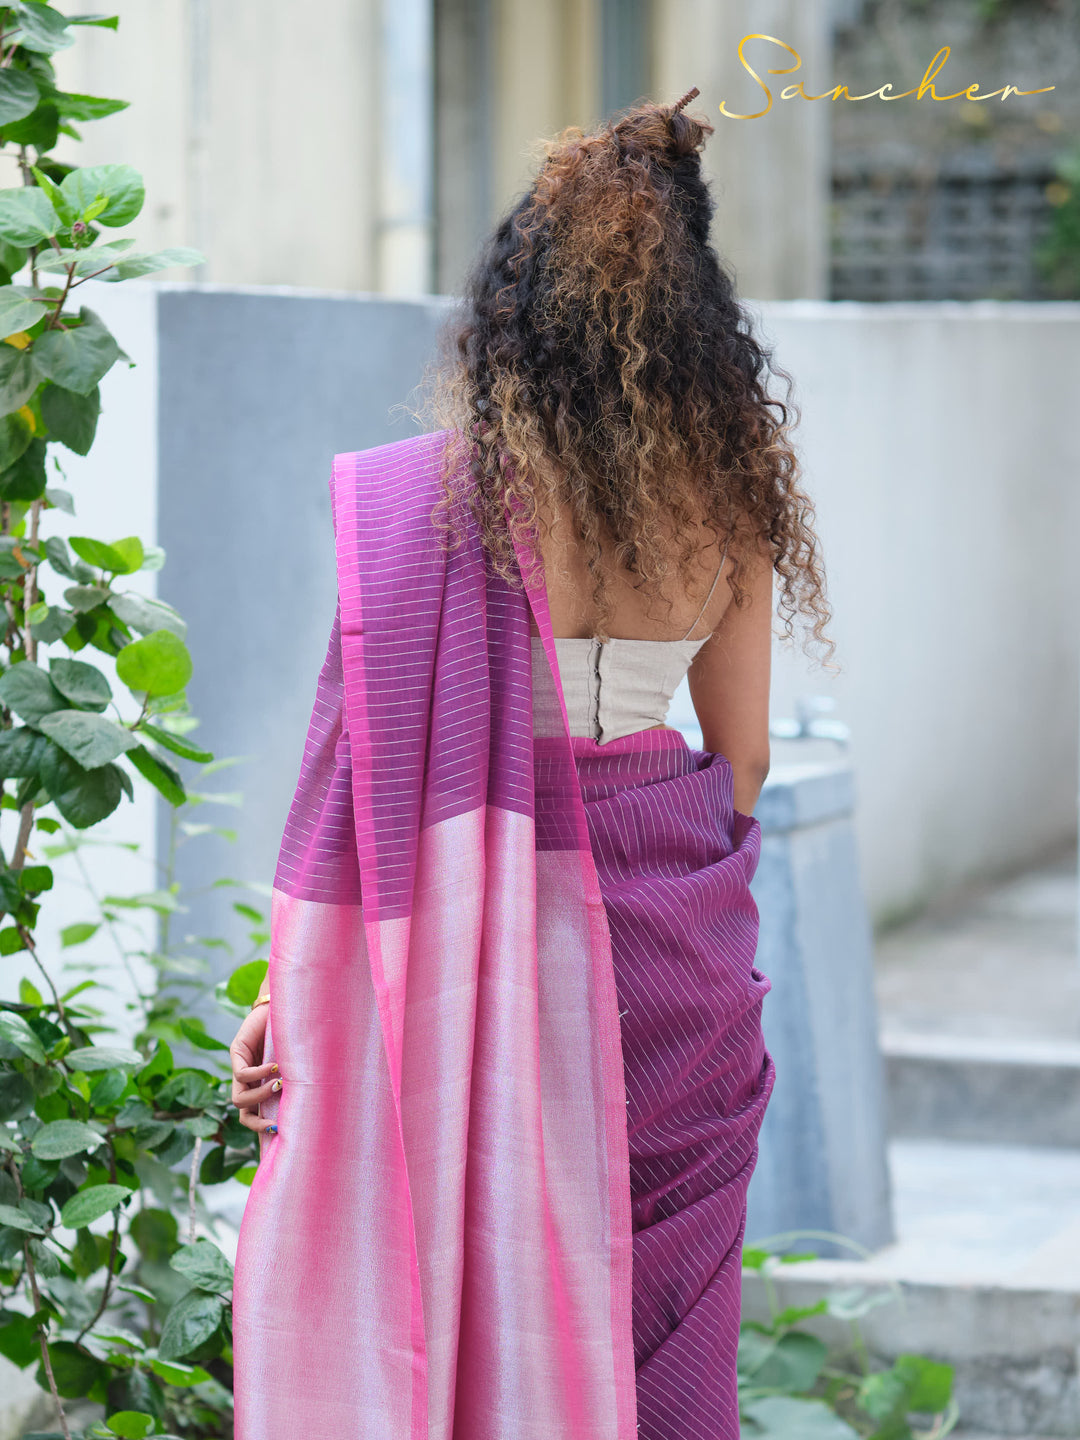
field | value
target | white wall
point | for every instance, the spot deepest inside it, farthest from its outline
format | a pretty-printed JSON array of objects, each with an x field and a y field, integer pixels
[{"x": 941, "y": 445}]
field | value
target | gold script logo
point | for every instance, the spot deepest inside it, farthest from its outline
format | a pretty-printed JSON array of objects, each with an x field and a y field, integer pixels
[{"x": 797, "y": 91}]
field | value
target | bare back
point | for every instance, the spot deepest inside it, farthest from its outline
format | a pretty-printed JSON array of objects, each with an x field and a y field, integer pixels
[{"x": 729, "y": 678}]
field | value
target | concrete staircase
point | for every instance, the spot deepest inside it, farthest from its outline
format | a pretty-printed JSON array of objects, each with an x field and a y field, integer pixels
[{"x": 980, "y": 1012}]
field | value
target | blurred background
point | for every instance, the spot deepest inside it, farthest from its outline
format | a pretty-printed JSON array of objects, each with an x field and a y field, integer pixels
[
  {"x": 370, "y": 151},
  {"x": 916, "y": 268}
]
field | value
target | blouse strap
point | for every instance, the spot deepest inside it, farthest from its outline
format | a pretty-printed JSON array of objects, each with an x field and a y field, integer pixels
[{"x": 712, "y": 588}]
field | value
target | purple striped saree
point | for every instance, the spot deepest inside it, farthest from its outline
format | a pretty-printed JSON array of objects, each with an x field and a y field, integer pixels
[{"x": 518, "y": 1025}]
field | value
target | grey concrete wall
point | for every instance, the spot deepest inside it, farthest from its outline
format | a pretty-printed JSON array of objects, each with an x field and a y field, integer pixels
[
  {"x": 822, "y": 1154},
  {"x": 257, "y": 392}
]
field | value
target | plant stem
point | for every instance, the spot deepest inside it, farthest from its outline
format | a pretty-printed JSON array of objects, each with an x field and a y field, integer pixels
[
  {"x": 30, "y": 585},
  {"x": 28, "y": 942},
  {"x": 35, "y": 1295},
  {"x": 858, "y": 1345},
  {"x": 144, "y": 1000},
  {"x": 191, "y": 1189},
  {"x": 109, "y": 1276},
  {"x": 30, "y": 595}
]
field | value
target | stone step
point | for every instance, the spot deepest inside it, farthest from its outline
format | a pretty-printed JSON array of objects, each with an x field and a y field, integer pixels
[
  {"x": 992, "y": 1089},
  {"x": 984, "y": 1275}
]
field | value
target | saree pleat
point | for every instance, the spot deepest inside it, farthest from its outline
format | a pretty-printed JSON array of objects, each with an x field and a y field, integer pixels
[
  {"x": 517, "y": 1023},
  {"x": 675, "y": 860}
]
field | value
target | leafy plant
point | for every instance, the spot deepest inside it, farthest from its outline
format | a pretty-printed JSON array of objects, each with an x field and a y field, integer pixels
[
  {"x": 792, "y": 1388},
  {"x": 1058, "y": 256},
  {"x": 109, "y": 1285}
]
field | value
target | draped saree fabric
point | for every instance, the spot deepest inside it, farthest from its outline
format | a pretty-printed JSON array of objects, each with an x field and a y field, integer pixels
[{"x": 517, "y": 1023}]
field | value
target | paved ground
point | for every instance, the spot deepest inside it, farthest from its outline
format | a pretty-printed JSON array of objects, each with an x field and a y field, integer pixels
[{"x": 995, "y": 962}]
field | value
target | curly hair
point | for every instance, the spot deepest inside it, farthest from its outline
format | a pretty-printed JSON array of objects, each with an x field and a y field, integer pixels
[{"x": 601, "y": 361}]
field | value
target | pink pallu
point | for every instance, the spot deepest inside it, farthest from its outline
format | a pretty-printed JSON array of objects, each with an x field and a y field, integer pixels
[{"x": 471, "y": 1223}]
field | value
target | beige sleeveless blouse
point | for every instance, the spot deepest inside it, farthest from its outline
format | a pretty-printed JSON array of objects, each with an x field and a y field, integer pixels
[{"x": 615, "y": 688}]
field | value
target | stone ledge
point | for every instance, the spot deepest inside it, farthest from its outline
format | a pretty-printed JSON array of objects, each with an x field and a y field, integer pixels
[{"x": 1001, "y": 1091}]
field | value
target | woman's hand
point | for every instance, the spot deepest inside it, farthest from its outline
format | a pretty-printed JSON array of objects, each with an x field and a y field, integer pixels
[{"x": 253, "y": 1082}]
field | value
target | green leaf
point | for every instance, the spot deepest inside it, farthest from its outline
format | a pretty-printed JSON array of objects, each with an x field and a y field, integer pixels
[
  {"x": 779, "y": 1417},
  {"x": 204, "y": 1265},
  {"x": 75, "y": 1371},
  {"x": 913, "y": 1383},
  {"x": 15, "y": 1030},
  {"x": 243, "y": 984},
  {"x": 18, "y": 1339},
  {"x": 121, "y": 185},
  {"x": 56, "y": 199},
  {"x": 78, "y": 933},
  {"x": 122, "y": 557},
  {"x": 12, "y": 260},
  {"x": 155, "y": 1233},
  {"x": 11, "y": 941},
  {"x": 71, "y": 418},
  {"x": 61, "y": 499},
  {"x": 158, "y": 664},
  {"x": 78, "y": 357},
  {"x": 17, "y": 310},
  {"x": 35, "y": 878},
  {"x": 107, "y": 1088},
  {"x": 83, "y": 685},
  {"x": 16, "y": 1095},
  {"x": 131, "y": 1424},
  {"x": 20, "y": 753},
  {"x": 17, "y": 1219},
  {"x": 793, "y": 1363},
  {"x": 246, "y": 1174},
  {"x": 82, "y": 796},
  {"x": 163, "y": 901},
  {"x": 176, "y": 743},
  {"x": 91, "y": 740},
  {"x": 40, "y": 128},
  {"x": 187, "y": 1090},
  {"x": 41, "y": 29},
  {"x": 130, "y": 267},
  {"x": 25, "y": 479},
  {"x": 18, "y": 378},
  {"x": 90, "y": 1203},
  {"x": 56, "y": 553},
  {"x": 130, "y": 550},
  {"x": 10, "y": 893},
  {"x": 159, "y": 1064},
  {"x": 177, "y": 1373},
  {"x": 930, "y": 1383},
  {"x": 83, "y": 598},
  {"x": 87, "y": 259},
  {"x": 199, "y": 1038},
  {"x": 87, "y": 107},
  {"x": 146, "y": 615},
  {"x": 26, "y": 218},
  {"x": 18, "y": 95},
  {"x": 190, "y": 1322},
  {"x": 63, "y": 1138},
  {"x": 27, "y": 690},
  {"x": 163, "y": 777},
  {"x": 103, "y": 1057},
  {"x": 107, "y": 22},
  {"x": 29, "y": 994},
  {"x": 16, "y": 433}
]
